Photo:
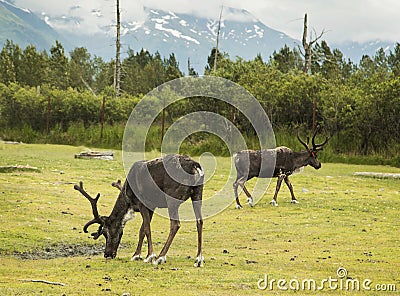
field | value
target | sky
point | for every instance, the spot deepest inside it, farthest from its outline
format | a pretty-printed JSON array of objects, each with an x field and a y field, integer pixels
[{"x": 342, "y": 20}]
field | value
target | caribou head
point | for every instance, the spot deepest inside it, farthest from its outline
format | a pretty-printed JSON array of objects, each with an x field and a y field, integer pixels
[
  {"x": 312, "y": 159},
  {"x": 110, "y": 228}
]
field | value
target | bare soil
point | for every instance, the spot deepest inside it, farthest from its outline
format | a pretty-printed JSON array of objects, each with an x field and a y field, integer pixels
[{"x": 63, "y": 250}]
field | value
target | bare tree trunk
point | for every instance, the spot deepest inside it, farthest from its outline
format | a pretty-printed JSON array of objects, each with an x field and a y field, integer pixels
[
  {"x": 307, "y": 60},
  {"x": 117, "y": 71},
  {"x": 307, "y": 47},
  {"x": 216, "y": 47}
]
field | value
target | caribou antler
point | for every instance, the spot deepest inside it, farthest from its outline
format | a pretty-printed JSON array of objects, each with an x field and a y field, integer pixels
[
  {"x": 117, "y": 184},
  {"x": 301, "y": 141},
  {"x": 93, "y": 203},
  {"x": 317, "y": 147}
]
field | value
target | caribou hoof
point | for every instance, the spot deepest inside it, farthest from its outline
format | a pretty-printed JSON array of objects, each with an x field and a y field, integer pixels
[
  {"x": 160, "y": 260},
  {"x": 294, "y": 201},
  {"x": 250, "y": 201},
  {"x": 274, "y": 203},
  {"x": 150, "y": 258},
  {"x": 136, "y": 257},
  {"x": 199, "y": 262},
  {"x": 239, "y": 207}
]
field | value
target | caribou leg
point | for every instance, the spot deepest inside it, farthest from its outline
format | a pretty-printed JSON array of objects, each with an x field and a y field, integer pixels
[
  {"x": 235, "y": 190},
  {"x": 173, "y": 206},
  {"x": 290, "y": 186},
  {"x": 138, "y": 253},
  {"x": 241, "y": 182},
  {"x": 199, "y": 225},
  {"x": 249, "y": 197},
  {"x": 278, "y": 186},
  {"x": 145, "y": 212}
]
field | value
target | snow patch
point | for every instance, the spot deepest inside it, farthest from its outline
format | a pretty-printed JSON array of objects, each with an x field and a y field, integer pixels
[
  {"x": 124, "y": 31},
  {"x": 47, "y": 20},
  {"x": 135, "y": 25},
  {"x": 160, "y": 20},
  {"x": 173, "y": 15},
  {"x": 15, "y": 6},
  {"x": 175, "y": 33},
  {"x": 212, "y": 26},
  {"x": 259, "y": 31}
]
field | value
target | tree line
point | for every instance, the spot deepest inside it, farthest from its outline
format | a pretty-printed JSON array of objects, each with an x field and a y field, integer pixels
[
  {"x": 357, "y": 103},
  {"x": 142, "y": 71}
]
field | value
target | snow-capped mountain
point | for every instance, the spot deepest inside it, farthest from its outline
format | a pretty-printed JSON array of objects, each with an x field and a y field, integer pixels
[
  {"x": 24, "y": 27},
  {"x": 194, "y": 37},
  {"x": 188, "y": 36},
  {"x": 354, "y": 50}
]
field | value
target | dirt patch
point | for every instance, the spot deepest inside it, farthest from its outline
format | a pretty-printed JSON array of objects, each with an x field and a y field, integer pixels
[
  {"x": 107, "y": 155},
  {"x": 63, "y": 250},
  {"x": 18, "y": 168},
  {"x": 378, "y": 175}
]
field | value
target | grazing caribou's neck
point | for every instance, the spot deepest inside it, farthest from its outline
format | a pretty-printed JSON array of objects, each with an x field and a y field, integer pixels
[
  {"x": 300, "y": 159},
  {"x": 122, "y": 211}
]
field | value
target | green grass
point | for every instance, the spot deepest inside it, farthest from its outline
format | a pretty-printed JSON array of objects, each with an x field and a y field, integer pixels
[{"x": 341, "y": 221}]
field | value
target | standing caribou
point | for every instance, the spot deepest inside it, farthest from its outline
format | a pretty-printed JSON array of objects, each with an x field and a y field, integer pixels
[
  {"x": 159, "y": 183},
  {"x": 248, "y": 165}
]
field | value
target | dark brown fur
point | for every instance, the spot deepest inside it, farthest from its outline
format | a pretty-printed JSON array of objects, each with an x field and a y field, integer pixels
[
  {"x": 148, "y": 186},
  {"x": 280, "y": 162}
]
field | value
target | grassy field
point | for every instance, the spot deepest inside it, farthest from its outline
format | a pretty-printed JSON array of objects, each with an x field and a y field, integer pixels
[{"x": 342, "y": 221}]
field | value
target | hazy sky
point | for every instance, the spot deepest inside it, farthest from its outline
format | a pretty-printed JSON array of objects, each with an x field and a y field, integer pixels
[{"x": 356, "y": 20}]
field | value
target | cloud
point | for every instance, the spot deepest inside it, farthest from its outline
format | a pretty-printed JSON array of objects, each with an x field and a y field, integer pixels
[
  {"x": 89, "y": 16},
  {"x": 356, "y": 20}
]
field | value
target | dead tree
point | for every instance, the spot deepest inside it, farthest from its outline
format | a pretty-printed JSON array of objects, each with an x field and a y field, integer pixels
[
  {"x": 308, "y": 46},
  {"x": 216, "y": 47},
  {"x": 117, "y": 69}
]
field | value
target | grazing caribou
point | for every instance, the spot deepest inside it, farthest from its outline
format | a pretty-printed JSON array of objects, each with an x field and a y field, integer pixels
[
  {"x": 159, "y": 183},
  {"x": 248, "y": 165}
]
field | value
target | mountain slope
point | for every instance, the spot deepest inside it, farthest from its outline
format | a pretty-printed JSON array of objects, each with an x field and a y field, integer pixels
[
  {"x": 194, "y": 37},
  {"x": 191, "y": 37},
  {"x": 186, "y": 35},
  {"x": 24, "y": 27},
  {"x": 355, "y": 50}
]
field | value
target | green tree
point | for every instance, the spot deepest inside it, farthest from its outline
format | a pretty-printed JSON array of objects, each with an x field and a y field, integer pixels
[
  {"x": 394, "y": 60},
  {"x": 81, "y": 69},
  {"x": 211, "y": 60},
  {"x": 10, "y": 57},
  {"x": 58, "y": 67},
  {"x": 103, "y": 74},
  {"x": 287, "y": 59},
  {"x": 172, "y": 68},
  {"x": 33, "y": 67}
]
